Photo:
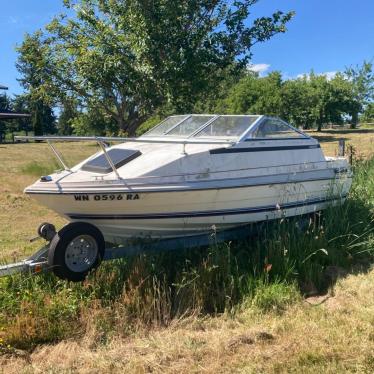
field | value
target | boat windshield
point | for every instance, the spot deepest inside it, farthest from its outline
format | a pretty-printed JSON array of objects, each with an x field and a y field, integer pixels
[
  {"x": 189, "y": 126},
  {"x": 227, "y": 126},
  {"x": 207, "y": 126},
  {"x": 167, "y": 124}
]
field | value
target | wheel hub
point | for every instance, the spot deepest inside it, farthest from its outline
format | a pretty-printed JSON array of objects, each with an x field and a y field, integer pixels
[{"x": 81, "y": 253}]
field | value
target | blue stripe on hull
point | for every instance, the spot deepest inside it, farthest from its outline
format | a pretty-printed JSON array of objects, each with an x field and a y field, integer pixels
[
  {"x": 208, "y": 213},
  {"x": 263, "y": 149}
]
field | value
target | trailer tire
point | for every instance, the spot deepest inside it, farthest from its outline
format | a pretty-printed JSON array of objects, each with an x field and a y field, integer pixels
[{"x": 75, "y": 250}]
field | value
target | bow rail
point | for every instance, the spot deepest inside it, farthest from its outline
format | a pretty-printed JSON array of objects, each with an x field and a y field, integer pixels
[
  {"x": 122, "y": 139},
  {"x": 102, "y": 142}
]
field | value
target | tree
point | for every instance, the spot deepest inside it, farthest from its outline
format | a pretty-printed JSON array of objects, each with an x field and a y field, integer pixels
[
  {"x": 21, "y": 105},
  {"x": 362, "y": 78},
  {"x": 208, "y": 103},
  {"x": 129, "y": 58},
  {"x": 43, "y": 120},
  {"x": 32, "y": 65},
  {"x": 254, "y": 95},
  {"x": 5, "y": 105},
  {"x": 368, "y": 115},
  {"x": 94, "y": 121},
  {"x": 344, "y": 101},
  {"x": 309, "y": 101},
  {"x": 298, "y": 101},
  {"x": 69, "y": 112},
  {"x": 318, "y": 101}
]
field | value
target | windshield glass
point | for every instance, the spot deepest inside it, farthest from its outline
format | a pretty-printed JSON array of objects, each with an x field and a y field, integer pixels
[
  {"x": 275, "y": 129},
  {"x": 227, "y": 126},
  {"x": 189, "y": 126},
  {"x": 203, "y": 125},
  {"x": 165, "y": 125}
]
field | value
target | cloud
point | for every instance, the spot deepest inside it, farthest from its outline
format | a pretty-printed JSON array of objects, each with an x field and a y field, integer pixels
[
  {"x": 258, "y": 68},
  {"x": 328, "y": 74},
  {"x": 12, "y": 20}
]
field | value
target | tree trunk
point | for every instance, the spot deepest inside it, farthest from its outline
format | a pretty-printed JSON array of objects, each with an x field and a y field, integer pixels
[
  {"x": 320, "y": 122},
  {"x": 37, "y": 119},
  {"x": 121, "y": 123},
  {"x": 354, "y": 120}
]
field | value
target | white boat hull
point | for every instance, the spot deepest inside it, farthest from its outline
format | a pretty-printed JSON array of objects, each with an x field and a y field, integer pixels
[{"x": 173, "y": 213}]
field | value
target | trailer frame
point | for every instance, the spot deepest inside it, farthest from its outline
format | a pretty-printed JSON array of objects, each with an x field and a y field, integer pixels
[{"x": 37, "y": 263}]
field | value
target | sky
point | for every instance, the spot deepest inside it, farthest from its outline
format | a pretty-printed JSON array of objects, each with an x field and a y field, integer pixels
[{"x": 325, "y": 35}]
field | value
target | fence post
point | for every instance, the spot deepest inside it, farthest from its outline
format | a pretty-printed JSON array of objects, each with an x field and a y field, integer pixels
[
  {"x": 351, "y": 152},
  {"x": 341, "y": 151}
]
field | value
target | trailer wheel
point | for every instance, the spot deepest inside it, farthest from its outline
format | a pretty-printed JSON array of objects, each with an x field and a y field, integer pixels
[{"x": 75, "y": 250}]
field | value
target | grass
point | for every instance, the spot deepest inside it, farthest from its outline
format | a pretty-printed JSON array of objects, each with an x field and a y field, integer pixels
[
  {"x": 233, "y": 307},
  {"x": 37, "y": 169},
  {"x": 361, "y": 139}
]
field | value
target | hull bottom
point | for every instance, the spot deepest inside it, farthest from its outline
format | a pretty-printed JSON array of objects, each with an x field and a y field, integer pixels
[{"x": 120, "y": 231}]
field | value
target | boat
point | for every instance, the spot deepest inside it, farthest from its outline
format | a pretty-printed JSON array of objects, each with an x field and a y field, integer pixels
[{"x": 192, "y": 174}]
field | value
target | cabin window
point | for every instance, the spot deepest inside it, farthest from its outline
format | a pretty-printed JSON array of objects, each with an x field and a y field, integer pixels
[
  {"x": 273, "y": 128},
  {"x": 120, "y": 157},
  {"x": 227, "y": 126}
]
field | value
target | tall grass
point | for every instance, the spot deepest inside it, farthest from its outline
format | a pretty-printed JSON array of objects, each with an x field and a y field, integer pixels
[{"x": 265, "y": 273}]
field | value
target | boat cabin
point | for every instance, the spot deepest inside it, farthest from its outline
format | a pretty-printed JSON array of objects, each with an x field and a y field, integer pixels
[
  {"x": 195, "y": 144},
  {"x": 197, "y": 147}
]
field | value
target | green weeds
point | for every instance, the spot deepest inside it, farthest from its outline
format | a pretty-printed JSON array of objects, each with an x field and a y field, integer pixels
[
  {"x": 37, "y": 169},
  {"x": 264, "y": 272}
]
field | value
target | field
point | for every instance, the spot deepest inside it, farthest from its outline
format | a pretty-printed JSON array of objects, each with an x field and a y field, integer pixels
[
  {"x": 288, "y": 300},
  {"x": 362, "y": 141}
]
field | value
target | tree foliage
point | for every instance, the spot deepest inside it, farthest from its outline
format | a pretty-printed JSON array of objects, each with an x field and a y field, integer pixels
[
  {"x": 308, "y": 101},
  {"x": 21, "y": 104},
  {"x": 362, "y": 78},
  {"x": 368, "y": 115},
  {"x": 129, "y": 58},
  {"x": 31, "y": 63},
  {"x": 69, "y": 111},
  {"x": 5, "y": 105}
]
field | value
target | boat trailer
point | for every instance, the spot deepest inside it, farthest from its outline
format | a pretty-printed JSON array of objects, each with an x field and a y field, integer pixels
[{"x": 42, "y": 261}]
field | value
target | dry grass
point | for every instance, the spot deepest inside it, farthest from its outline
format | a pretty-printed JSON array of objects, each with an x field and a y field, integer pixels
[
  {"x": 333, "y": 336},
  {"x": 20, "y": 215},
  {"x": 362, "y": 140}
]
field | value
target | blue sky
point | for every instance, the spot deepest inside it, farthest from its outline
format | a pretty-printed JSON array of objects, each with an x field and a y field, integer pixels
[{"x": 325, "y": 35}]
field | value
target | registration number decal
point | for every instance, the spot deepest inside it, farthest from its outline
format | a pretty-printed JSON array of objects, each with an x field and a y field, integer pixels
[{"x": 107, "y": 197}]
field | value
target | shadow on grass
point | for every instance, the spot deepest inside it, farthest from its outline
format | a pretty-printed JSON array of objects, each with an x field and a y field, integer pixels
[
  {"x": 326, "y": 139},
  {"x": 342, "y": 131}
]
